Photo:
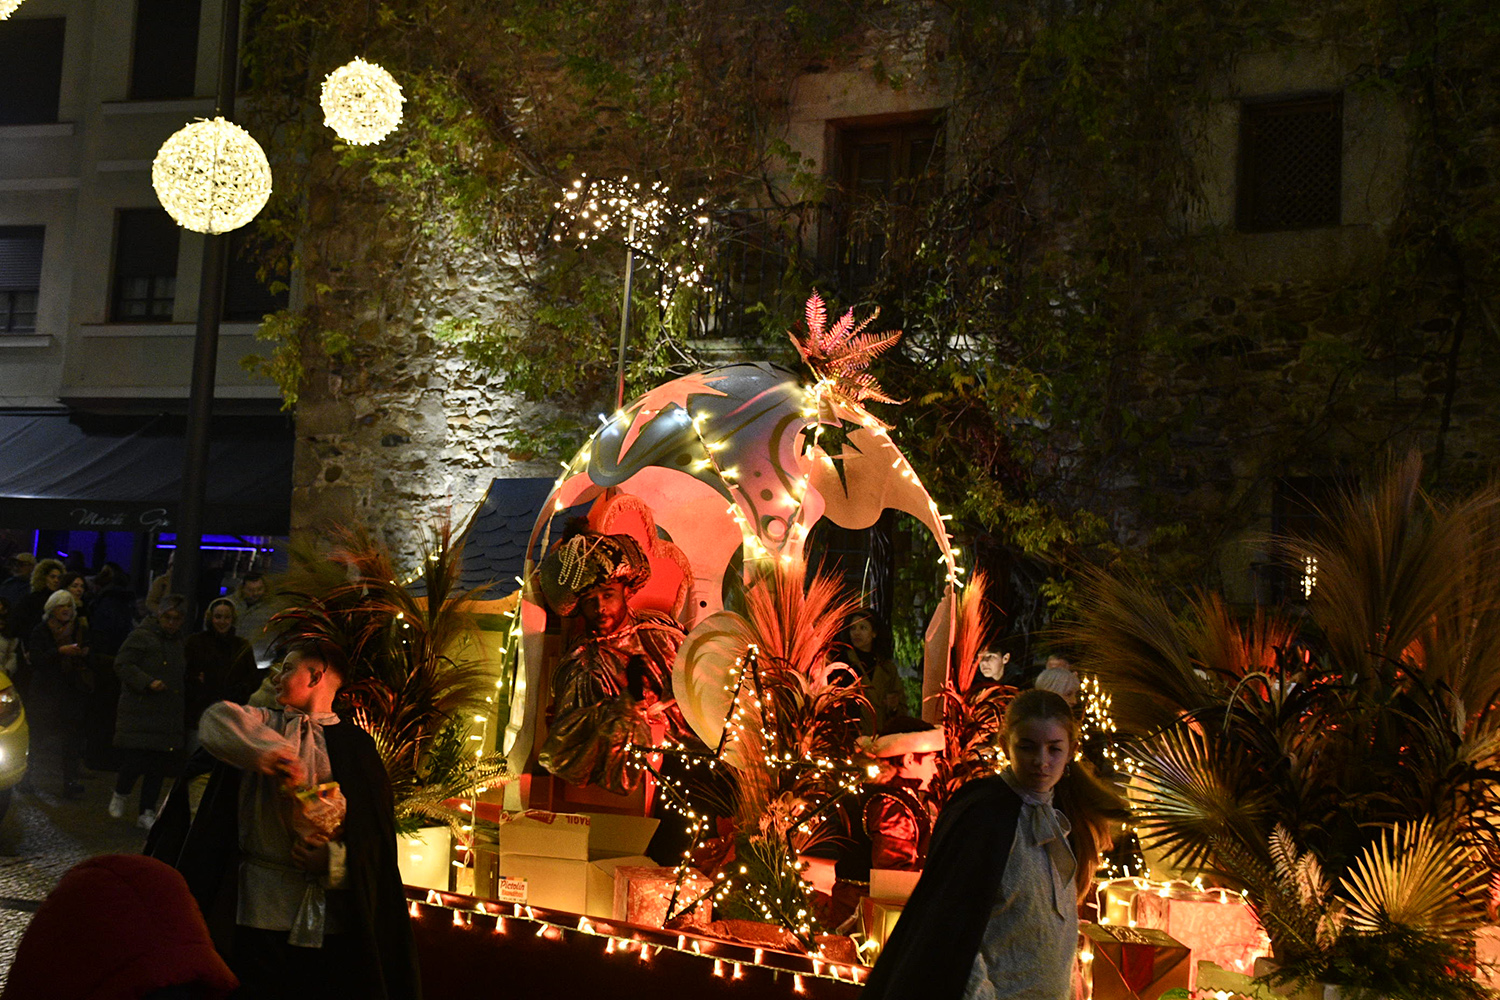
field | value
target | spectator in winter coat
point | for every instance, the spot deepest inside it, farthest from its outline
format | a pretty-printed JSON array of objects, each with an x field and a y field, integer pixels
[
  {"x": 45, "y": 578},
  {"x": 60, "y": 682},
  {"x": 16, "y": 586},
  {"x": 148, "y": 726},
  {"x": 137, "y": 924},
  {"x": 220, "y": 664},
  {"x": 111, "y": 619}
]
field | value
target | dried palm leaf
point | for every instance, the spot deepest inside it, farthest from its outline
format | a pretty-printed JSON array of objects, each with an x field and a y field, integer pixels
[{"x": 1415, "y": 879}]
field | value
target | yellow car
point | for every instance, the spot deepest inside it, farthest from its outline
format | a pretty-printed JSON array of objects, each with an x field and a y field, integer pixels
[{"x": 15, "y": 740}]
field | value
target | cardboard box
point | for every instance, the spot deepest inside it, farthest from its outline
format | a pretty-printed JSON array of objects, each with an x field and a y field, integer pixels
[
  {"x": 888, "y": 883},
  {"x": 544, "y": 834},
  {"x": 1132, "y": 963},
  {"x": 587, "y": 854},
  {"x": 551, "y": 883},
  {"x": 643, "y": 892}
]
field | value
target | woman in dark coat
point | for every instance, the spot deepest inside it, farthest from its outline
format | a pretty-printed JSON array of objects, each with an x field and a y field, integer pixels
[
  {"x": 148, "y": 726},
  {"x": 995, "y": 914},
  {"x": 220, "y": 664},
  {"x": 60, "y": 684}
]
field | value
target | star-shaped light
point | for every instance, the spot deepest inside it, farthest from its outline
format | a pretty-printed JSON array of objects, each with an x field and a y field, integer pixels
[{"x": 840, "y": 354}]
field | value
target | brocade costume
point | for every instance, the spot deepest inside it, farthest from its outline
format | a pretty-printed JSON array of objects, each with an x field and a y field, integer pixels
[
  {"x": 898, "y": 819},
  {"x": 598, "y": 713}
]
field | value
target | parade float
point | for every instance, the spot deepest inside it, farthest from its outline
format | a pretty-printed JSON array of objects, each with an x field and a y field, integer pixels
[{"x": 693, "y": 506}]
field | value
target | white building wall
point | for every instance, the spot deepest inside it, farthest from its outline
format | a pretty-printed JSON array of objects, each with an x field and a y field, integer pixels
[{"x": 72, "y": 177}]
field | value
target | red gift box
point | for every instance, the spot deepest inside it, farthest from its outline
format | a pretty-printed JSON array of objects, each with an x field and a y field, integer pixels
[
  {"x": 1131, "y": 963},
  {"x": 643, "y": 894}
]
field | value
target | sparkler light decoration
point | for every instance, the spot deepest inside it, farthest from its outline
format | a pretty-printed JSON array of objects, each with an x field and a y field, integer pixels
[
  {"x": 211, "y": 176},
  {"x": 645, "y": 218}
]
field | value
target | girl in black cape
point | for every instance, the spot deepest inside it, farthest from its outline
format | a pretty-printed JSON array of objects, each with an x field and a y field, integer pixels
[{"x": 995, "y": 914}]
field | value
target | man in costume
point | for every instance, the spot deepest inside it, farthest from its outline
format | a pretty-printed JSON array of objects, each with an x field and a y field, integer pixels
[
  {"x": 900, "y": 810},
  {"x": 313, "y": 891},
  {"x": 614, "y": 687}
]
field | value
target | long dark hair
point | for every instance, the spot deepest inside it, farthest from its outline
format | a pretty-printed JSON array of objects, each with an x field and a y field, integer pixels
[{"x": 1088, "y": 802}]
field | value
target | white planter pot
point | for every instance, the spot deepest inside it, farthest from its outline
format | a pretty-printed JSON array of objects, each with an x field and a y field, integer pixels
[{"x": 424, "y": 857}]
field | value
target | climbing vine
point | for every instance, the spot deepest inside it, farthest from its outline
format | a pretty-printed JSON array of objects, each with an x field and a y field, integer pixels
[{"x": 1086, "y": 379}]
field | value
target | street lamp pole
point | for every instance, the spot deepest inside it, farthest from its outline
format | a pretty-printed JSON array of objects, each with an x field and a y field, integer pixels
[
  {"x": 187, "y": 565},
  {"x": 625, "y": 314}
]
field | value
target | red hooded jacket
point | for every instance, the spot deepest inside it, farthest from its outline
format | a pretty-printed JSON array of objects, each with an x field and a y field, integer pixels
[{"x": 117, "y": 927}]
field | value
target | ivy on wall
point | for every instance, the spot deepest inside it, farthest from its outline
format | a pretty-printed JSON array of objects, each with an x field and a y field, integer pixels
[{"x": 1083, "y": 381}]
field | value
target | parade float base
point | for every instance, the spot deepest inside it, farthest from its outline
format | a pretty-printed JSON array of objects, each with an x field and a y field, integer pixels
[{"x": 530, "y": 951}]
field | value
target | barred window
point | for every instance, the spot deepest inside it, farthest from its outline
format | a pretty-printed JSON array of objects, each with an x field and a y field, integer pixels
[{"x": 1291, "y": 164}]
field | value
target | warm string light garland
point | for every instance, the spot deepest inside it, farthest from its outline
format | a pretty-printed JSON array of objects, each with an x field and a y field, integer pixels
[
  {"x": 730, "y": 958},
  {"x": 211, "y": 176},
  {"x": 361, "y": 102}
]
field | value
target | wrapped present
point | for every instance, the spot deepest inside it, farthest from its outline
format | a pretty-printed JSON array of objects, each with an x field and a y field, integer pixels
[
  {"x": 642, "y": 895},
  {"x": 1132, "y": 963},
  {"x": 1116, "y": 900},
  {"x": 1219, "y": 927},
  {"x": 877, "y": 918},
  {"x": 1487, "y": 956}
]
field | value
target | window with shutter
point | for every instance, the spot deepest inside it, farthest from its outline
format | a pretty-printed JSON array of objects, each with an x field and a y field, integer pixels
[
  {"x": 887, "y": 173},
  {"x": 20, "y": 277}
]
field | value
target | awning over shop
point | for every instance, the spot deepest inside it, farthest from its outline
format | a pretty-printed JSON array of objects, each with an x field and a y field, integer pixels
[{"x": 125, "y": 473}]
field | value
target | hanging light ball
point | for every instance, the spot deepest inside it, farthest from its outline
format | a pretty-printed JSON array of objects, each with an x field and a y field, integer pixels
[
  {"x": 8, "y": 7},
  {"x": 211, "y": 176},
  {"x": 361, "y": 102}
]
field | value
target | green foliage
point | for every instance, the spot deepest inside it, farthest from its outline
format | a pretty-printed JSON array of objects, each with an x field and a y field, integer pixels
[{"x": 1059, "y": 364}]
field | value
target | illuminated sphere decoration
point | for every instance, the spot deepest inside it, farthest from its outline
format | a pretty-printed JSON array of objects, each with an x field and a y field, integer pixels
[
  {"x": 211, "y": 176},
  {"x": 8, "y": 7},
  {"x": 361, "y": 102}
]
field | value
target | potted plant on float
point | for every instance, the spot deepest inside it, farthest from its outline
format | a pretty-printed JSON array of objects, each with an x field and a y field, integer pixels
[
  {"x": 787, "y": 761},
  {"x": 1340, "y": 766},
  {"x": 420, "y": 680}
]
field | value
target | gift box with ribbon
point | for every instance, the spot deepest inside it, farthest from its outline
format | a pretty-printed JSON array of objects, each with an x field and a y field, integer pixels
[
  {"x": 1217, "y": 925},
  {"x": 1132, "y": 963}
]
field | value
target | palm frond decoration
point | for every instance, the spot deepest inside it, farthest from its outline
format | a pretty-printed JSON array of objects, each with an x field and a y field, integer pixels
[
  {"x": 971, "y": 631},
  {"x": 419, "y": 673},
  {"x": 1191, "y": 795},
  {"x": 1415, "y": 879}
]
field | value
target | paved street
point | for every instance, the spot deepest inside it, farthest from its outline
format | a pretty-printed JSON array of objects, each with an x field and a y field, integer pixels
[{"x": 42, "y": 836}]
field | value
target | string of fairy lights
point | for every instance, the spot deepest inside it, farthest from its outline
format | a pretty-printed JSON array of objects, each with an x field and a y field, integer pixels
[{"x": 731, "y": 959}]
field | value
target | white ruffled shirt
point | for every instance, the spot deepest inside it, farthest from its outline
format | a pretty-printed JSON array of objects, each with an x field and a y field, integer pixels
[
  {"x": 1031, "y": 940},
  {"x": 274, "y": 894}
]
